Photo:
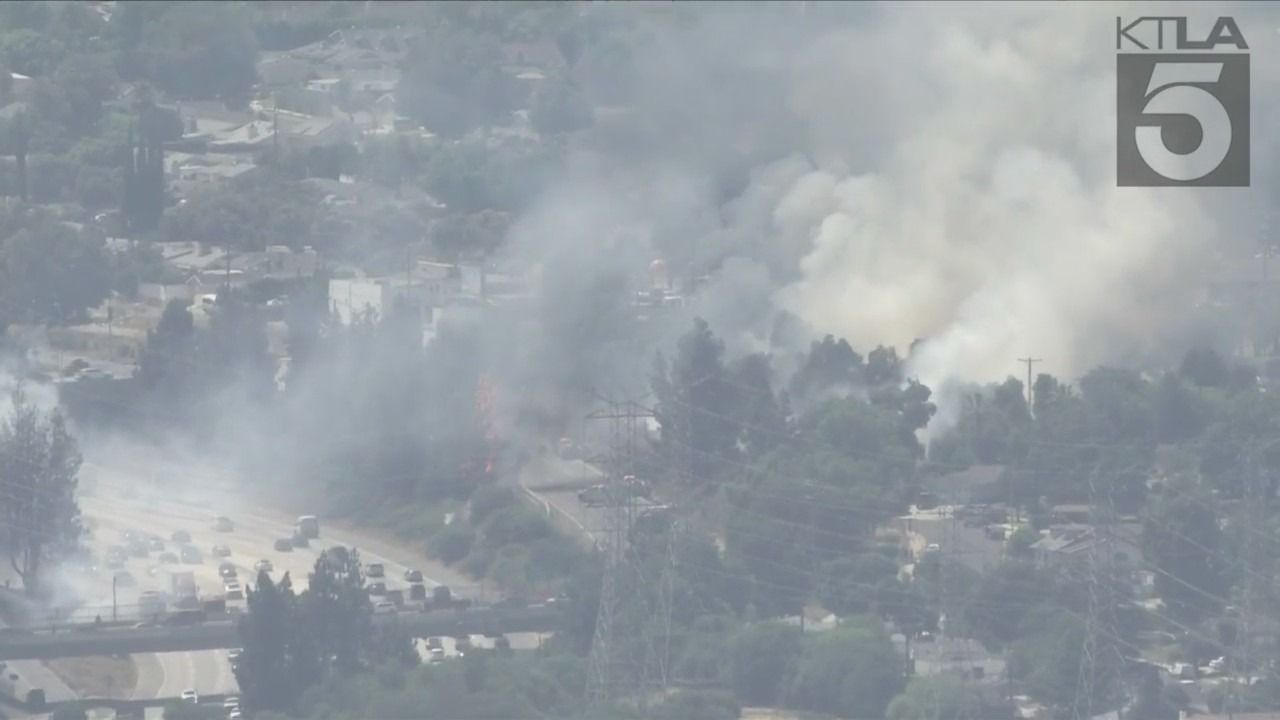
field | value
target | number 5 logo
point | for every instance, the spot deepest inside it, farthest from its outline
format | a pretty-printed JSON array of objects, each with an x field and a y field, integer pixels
[{"x": 1175, "y": 89}]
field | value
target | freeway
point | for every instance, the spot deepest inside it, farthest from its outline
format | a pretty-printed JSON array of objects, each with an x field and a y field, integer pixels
[
  {"x": 221, "y": 634},
  {"x": 142, "y": 489}
]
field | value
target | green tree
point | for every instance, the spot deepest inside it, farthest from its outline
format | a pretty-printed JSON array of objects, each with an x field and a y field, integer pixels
[
  {"x": 850, "y": 672},
  {"x": 941, "y": 697},
  {"x": 197, "y": 50},
  {"x": 39, "y": 467},
  {"x": 1182, "y": 538},
  {"x": 830, "y": 364},
  {"x": 336, "y": 612},
  {"x": 698, "y": 705},
  {"x": 15, "y": 140},
  {"x": 695, "y": 403},
  {"x": 280, "y": 659},
  {"x": 453, "y": 82},
  {"x": 760, "y": 660},
  {"x": 49, "y": 271},
  {"x": 167, "y": 360}
]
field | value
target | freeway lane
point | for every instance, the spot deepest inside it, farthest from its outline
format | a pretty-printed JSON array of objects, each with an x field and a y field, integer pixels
[{"x": 88, "y": 640}]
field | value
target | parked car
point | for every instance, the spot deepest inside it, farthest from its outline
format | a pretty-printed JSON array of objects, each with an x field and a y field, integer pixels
[
  {"x": 221, "y": 551},
  {"x": 155, "y": 544},
  {"x": 263, "y": 566},
  {"x": 231, "y": 703},
  {"x": 223, "y": 524},
  {"x": 376, "y": 588},
  {"x": 413, "y": 576},
  {"x": 375, "y": 570},
  {"x": 227, "y": 571},
  {"x": 437, "y": 655},
  {"x": 417, "y": 592},
  {"x": 384, "y": 607},
  {"x": 191, "y": 555},
  {"x": 299, "y": 540},
  {"x": 190, "y": 696},
  {"x": 168, "y": 558},
  {"x": 180, "y": 536},
  {"x": 284, "y": 545},
  {"x": 434, "y": 643}
]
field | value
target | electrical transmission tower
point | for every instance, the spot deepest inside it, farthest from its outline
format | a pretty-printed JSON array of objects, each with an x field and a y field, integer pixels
[
  {"x": 618, "y": 667},
  {"x": 1101, "y": 622}
]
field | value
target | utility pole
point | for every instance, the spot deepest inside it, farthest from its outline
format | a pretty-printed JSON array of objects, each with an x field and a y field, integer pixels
[{"x": 1029, "y": 361}]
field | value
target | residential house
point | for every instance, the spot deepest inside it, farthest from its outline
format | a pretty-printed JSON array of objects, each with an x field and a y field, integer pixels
[
  {"x": 1075, "y": 543},
  {"x": 283, "y": 69},
  {"x": 351, "y": 299}
]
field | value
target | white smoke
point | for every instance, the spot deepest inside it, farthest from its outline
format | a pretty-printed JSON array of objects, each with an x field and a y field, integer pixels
[{"x": 982, "y": 215}]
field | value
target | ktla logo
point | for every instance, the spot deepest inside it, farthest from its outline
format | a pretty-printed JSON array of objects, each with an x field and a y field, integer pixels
[{"x": 1182, "y": 105}]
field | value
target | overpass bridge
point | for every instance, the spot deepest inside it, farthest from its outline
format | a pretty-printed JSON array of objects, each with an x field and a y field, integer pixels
[{"x": 90, "y": 639}]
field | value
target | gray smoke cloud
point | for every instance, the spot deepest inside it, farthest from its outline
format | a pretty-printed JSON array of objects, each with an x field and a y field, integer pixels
[{"x": 941, "y": 172}]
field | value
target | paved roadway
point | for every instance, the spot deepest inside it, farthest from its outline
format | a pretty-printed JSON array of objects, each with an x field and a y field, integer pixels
[
  {"x": 555, "y": 483},
  {"x": 89, "y": 640},
  {"x": 158, "y": 497}
]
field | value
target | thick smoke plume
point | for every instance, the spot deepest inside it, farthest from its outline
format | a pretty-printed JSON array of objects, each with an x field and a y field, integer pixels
[{"x": 923, "y": 171}]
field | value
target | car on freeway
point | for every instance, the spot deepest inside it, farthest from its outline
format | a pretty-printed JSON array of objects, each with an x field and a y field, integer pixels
[
  {"x": 384, "y": 607},
  {"x": 413, "y": 576},
  {"x": 190, "y": 696},
  {"x": 284, "y": 545},
  {"x": 263, "y": 566},
  {"x": 462, "y": 644},
  {"x": 168, "y": 558},
  {"x": 155, "y": 543},
  {"x": 221, "y": 551},
  {"x": 309, "y": 526},
  {"x": 227, "y": 571},
  {"x": 375, "y": 570},
  {"x": 191, "y": 554},
  {"x": 138, "y": 547},
  {"x": 180, "y": 536},
  {"x": 223, "y": 524}
]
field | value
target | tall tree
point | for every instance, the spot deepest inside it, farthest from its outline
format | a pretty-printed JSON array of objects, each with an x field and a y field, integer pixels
[
  {"x": 696, "y": 402},
  {"x": 15, "y": 140},
  {"x": 336, "y": 608},
  {"x": 279, "y": 659},
  {"x": 39, "y": 467}
]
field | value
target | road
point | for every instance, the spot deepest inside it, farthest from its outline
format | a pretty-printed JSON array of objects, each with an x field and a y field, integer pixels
[
  {"x": 157, "y": 497},
  {"x": 956, "y": 541},
  {"x": 89, "y": 639},
  {"x": 555, "y": 483}
]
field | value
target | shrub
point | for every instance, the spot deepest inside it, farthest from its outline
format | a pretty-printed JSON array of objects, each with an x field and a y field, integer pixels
[{"x": 452, "y": 543}]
